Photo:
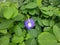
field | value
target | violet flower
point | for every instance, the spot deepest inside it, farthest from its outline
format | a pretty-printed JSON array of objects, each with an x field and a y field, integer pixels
[{"x": 29, "y": 23}]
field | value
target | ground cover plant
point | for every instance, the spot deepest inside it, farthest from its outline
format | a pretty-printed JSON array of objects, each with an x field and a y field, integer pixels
[{"x": 29, "y": 22}]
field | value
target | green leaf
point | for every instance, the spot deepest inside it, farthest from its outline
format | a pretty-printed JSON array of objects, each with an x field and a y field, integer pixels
[
  {"x": 31, "y": 42},
  {"x": 40, "y": 22},
  {"x": 55, "y": 2},
  {"x": 15, "y": 11},
  {"x": 31, "y": 5},
  {"x": 52, "y": 23},
  {"x": 45, "y": 22},
  {"x": 38, "y": 28},
  {"x": 17, "y": 39},
  {"x": 34, "y": 18},
  {"x": 32, "y": 12},
  {"x": 20, "y": 3},
  {"x": 12, "y": 43},
  {"x": 48, "y": 10},
  {"x": 12, "y": 0},
  {"x": 24, "y": 33},
  {"x": 8, "y": 12},
  {"x": 28, "y": 36},
  {"x": 21, "y": 24},
  {"x": 48, "y": 29},
  {"x": 33, "y": 32},
  {"x": 58, "y": 24},
  {"x": 6, "y": 24},
  {"x": 56, "y": 31},
  {"x": 24, "y": 11},
  {"x": 58, "y": 43},
  {"x": 18, "y": 30},
  {"x": 46, "y": 38},
  {"x": 3, "y": 31},
  {"x": 19, "y": 17},
  {"x": 4, "y": 40},
  {"x": 23, "y": 7},
  {"x": 22, "y": 43}
]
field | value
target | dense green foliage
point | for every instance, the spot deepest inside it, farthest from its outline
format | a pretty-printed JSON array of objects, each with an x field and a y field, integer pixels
[{"x": 45, "y": 13}]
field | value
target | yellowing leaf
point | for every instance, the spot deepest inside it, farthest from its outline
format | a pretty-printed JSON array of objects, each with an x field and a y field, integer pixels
[
  {"x": 39, "y": 3},
  {"x": 3, "y": 31}
]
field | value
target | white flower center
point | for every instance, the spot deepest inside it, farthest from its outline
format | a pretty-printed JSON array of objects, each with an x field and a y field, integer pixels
[{"x": 29, "y": 24}]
